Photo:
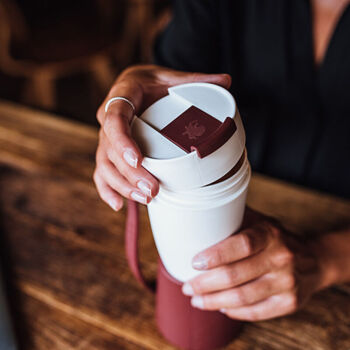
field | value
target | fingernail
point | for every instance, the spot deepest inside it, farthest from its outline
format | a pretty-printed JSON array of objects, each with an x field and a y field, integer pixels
[
  {"x": 198, "y": 302},
  {"x": 139, "y": 197},
  {"x": 223, "y": 310},
  {"x": 130, "y": 157},
  {"x": 200, "y": 262},
  {"x": 187, "y": 289},
  {"x": 113, "y": 204},
  {"x": 145, "y": 188}
]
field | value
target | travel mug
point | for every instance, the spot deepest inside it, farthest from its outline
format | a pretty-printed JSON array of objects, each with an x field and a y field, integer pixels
[{"x": 191, "y": 139}]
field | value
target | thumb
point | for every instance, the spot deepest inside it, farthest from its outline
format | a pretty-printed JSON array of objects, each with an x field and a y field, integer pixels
[
  {"x": 177, "y": 77},
  {"x": 223, "y": 80}
]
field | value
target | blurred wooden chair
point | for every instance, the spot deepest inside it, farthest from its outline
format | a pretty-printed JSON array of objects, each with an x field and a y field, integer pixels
[
  {"x": 150, "y": 23},
  {"x": 45, "y": 56}
]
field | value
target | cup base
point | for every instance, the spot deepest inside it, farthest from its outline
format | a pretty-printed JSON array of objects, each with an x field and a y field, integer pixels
[{"x": 188, "y": 327}]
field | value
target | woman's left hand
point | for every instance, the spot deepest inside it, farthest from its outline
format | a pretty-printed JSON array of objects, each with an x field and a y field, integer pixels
[{"x": 260, "y": 273}]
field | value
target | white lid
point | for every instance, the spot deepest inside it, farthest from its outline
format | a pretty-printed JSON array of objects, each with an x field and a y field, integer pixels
[{"x": 173, "y": 166}]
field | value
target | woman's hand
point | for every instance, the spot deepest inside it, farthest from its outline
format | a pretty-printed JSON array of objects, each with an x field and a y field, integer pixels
[
  {"x": 118, "y": 159},
  {"x": 260, "y": 273}
]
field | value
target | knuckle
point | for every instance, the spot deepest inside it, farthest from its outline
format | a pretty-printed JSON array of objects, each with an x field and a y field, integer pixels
[
  {"x": 247, "y": 244},
  {"x": 112, "y": 155},
  {"x": 103, "y": 168},
  {"x": 130, "y": 174},
  {"x": 290, "y": 281},
  {"x": 252, "y": 315},
  {"x": 284, "y": 257},
  {"x": 241, "y": 297},
  {"x": 99, "y": 115},
  {"x": 95, "y": 177},
  {"x": 292, "y": 302},
  {"x": 114, "y": 184},
  {"x": 197, "y": 286},
  {"x": 208, "y": 302},
  {"x": 229, "y": 276},
  {"x": 287, "y": 256},
  {"x": 218, "y": 256},
  {"x": 109, "y": 118},
  {"x": 271, "y": 229},
  {"x": 114, "y": 124}
]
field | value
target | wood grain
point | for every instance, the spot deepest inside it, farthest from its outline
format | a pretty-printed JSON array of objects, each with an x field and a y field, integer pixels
[
  {"x": 64, "y": 249},
  {"x": 51, "y": 328}
]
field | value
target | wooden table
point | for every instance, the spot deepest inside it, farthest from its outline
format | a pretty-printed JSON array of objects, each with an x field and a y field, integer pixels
[{"x": 64, "y": 249}]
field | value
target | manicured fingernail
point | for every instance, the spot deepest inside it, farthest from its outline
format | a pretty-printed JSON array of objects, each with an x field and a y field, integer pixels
[
  {"x": 198, "y": 302},
  {"x": 139, "y": 197},
  {"x": 145, "y": 188},
  {"x": 187, "y": 289},
  {"x": 200, "y": 262},
  {"x": 130, "y": 157},
  {"x": 113, "y": 204}
]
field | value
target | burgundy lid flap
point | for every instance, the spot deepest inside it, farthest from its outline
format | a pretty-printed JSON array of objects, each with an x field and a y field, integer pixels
[
  {"x": 191, "y": 128},
  {"x": 216, "y": 139}
]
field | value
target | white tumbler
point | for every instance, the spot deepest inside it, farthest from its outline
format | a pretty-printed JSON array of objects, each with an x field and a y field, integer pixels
[{"x": 191, "y": 139}]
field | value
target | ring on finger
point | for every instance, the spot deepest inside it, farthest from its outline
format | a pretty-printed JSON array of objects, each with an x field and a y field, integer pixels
[{"x": 119, "y": 98}]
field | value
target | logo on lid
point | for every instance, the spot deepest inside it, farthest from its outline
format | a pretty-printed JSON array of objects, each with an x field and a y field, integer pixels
[
  {"x": 194, "y": 130},
  {"x": 191, "y": 128}
]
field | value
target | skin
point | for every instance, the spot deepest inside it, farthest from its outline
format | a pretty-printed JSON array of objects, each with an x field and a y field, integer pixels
[
  {"x": 326, "y": 14},
  {"x": 259, "y": 273},
  {"x": 264, "y": 272}
]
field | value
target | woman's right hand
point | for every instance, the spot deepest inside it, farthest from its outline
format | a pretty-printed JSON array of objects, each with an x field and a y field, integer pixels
[{"x": 118, "y": 169}]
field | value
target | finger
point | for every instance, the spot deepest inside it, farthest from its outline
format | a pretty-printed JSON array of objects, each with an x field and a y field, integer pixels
[
  {"x": 139, "y": 177},
  {"x": 128, "y": 89},
  {"x": 239, "y": 246},
  {"x": 110, "y": 174},
  {"x": 178, "y": 77},
  {"x": 117, "y": 130},
  {"x": 119, "y": 184},
  {"x": 115, "y": 122},
  {"x": 107, "y": 194},
  {"x": 275, "y": 306},
  {"x": 246, "y": 294},
  {"x": 228, "y": 276}
]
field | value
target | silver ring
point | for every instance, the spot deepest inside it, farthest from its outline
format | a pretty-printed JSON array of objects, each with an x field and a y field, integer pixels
[{"x": 113, "y": 99}]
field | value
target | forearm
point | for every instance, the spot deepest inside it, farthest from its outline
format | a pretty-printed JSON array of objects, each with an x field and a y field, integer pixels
[{"x": 333, "y": 252}]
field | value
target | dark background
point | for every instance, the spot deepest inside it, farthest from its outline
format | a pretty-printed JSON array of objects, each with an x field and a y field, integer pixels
[{"x": 44, "y": 46}]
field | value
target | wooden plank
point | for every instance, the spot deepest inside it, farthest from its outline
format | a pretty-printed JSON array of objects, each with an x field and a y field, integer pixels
[
  {"x": 67, "y": 248},
  {"x": 35, "y": 141},
  {"x": 50, "y": 328},
  {"x": 300, "y": 209}
]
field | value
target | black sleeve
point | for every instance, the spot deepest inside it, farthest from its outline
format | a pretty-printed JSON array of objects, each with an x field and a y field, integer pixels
[{"x": 191, "y": 41}]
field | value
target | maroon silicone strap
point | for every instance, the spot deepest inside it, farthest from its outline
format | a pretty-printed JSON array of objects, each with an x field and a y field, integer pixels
[
  {"x": 217, "y": 139},
  {"x": 131, "y": 244}
]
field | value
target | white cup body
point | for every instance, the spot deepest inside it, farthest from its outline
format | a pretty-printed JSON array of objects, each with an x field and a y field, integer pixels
[{"x": 186, "y": 222}]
